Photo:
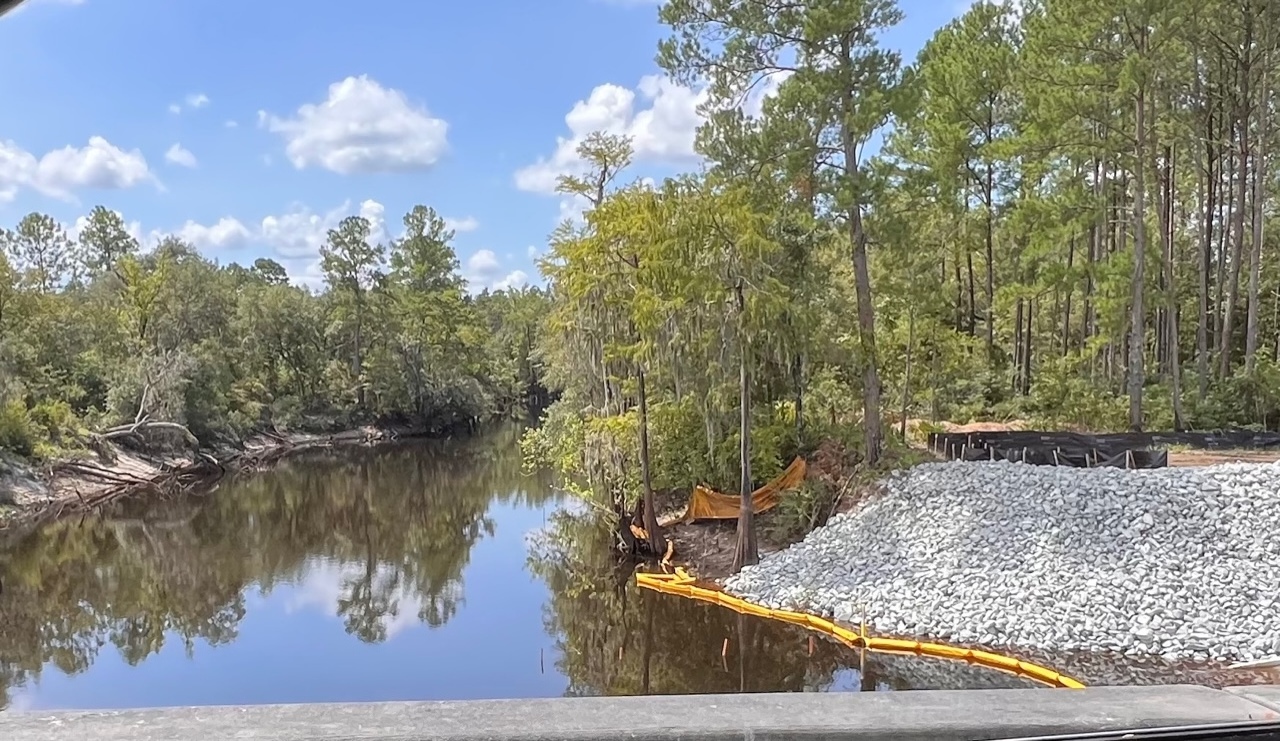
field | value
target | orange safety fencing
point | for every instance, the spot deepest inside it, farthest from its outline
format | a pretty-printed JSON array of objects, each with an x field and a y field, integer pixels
[
  {"x": 706, "y": 503},
  {"x": 681, "y": 583}
]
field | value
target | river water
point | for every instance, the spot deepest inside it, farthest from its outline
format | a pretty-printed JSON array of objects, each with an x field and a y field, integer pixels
[{"x": 422, "y": 571}]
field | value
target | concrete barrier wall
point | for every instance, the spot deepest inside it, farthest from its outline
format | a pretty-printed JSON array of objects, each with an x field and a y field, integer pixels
[{"x": 902, "y": 716}]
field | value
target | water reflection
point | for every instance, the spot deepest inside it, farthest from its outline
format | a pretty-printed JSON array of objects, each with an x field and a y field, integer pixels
[
  {"x": 379, "y": 538},
  {"x": 423, "y": 571},
  {"x": 614, "y": 638}
]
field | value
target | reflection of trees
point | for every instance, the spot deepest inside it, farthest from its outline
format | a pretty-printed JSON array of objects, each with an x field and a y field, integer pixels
[
  {"x": 617, "y": 639},
  {"x": 614, "y": 638},
  {"x": 401, "y": 521}
]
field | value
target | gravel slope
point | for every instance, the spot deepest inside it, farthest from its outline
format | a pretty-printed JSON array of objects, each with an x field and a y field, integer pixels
[{"x": 1178, "y": 563}]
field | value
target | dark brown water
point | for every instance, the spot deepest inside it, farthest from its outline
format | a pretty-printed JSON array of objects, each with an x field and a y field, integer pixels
[{"x": 430, "y": 570}]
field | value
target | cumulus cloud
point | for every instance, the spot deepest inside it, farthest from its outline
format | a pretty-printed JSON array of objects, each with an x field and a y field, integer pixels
[
  {"x": 297, "y": 235},
  {"x": 227, "y": 233},
  {"x": 462, "y": 225},
  {"x": 514, "y": 279},
  {"x": 361, "y": 127},
  {"x": 484, "y": 270},
  {"x": 661, "y": 125},
  {"x": 660, "y": 116},
  {"x": 58, "y": 173},
  {"x": 300, "y": 232},
  {"x": 180, "y": 155}
]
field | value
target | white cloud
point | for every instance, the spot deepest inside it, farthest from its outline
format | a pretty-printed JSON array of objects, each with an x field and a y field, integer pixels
[
  {"x": 191, "y": 102},
  {"x": 461, "y": 225},
  {"x": 179, "y": 155},
  {"x": 484, "y": 264},
  {"x": 361, "y": 127},
  {"x": 484, "y": 270},
  {"x": 662, "y": 128},
  {"x": 514, "y": 279},
  {"x": 100, "y": 164},
  {"x": 227, "y": 233},
  {"x": 230, "y": 124},
  {"x": 297, "y": 235},
  {"x": 660, "y": 116}
]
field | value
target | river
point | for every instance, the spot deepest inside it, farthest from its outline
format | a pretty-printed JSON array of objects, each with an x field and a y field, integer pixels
[{"x": 420, "y": 571}]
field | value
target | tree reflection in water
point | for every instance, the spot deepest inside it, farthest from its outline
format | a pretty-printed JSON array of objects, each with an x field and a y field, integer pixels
[
  {"x": 614, "y": 638},
  {"x": 398, "y": 523},
  {"x": 389, "y": 532}
]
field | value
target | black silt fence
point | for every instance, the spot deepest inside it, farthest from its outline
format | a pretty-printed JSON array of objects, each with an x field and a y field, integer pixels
[{"x": 1121, "y": 450}]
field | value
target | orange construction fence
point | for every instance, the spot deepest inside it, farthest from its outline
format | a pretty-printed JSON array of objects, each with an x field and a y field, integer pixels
[
  {"x": 706, "y": 503},
  {"x": 681, "y": 583}
]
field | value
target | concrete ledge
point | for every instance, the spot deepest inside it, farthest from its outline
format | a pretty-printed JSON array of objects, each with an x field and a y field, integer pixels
[
  {"x": 944, "y": 714},
  {"x": 7, "y": 5}
]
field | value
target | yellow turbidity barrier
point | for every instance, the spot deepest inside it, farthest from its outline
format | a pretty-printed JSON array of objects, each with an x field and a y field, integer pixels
[{"x": 684, "y": 585}]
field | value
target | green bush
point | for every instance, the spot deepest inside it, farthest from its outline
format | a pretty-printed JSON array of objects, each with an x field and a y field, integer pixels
[
  {"x": 16, "y": 433},
  {"x": 57, "y": 421}
]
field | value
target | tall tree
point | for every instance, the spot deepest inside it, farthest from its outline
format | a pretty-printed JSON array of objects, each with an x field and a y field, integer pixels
[
  {"x": 104, "y": 239},
  {"x": 41, "y": 249},
  {"x": 352, "y": 265},
  {"x": 427, "y": 289},
  {"x": 840, "y": 80}
]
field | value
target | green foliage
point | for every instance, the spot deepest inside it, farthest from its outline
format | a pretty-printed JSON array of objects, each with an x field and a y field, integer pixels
[
  {"x": 99, "y": 333},
  {"x": 1034, "y": 154},
  {"x": 16, "y": 433}
]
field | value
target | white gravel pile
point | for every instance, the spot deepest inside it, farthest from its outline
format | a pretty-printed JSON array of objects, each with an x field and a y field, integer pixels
[{"x": 1177, "y": 563}]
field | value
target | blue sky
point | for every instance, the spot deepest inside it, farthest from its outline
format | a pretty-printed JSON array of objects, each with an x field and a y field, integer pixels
[{"x": 250, "y": 127}]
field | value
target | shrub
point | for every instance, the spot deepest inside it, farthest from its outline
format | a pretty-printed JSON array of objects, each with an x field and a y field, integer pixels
[{"x": 16, "y": 434}]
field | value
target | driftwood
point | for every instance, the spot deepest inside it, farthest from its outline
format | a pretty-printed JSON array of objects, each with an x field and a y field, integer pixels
[{"x": 202, "y": 472}]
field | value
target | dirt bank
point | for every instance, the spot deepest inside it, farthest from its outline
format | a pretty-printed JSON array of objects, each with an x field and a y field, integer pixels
[
  {"x": 31, "y": 494},
  {"x": 837, "y": 480}
]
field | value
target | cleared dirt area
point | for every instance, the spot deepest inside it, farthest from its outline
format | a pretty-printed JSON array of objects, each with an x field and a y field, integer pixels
[{"x": 1189, "y": 458}]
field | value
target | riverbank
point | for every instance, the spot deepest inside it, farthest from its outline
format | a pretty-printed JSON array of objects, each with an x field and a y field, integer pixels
[
  {"x": 31, "y": 494},
  {"x": 1176, "y": 565},
  {"x": 837, "y": 481}
]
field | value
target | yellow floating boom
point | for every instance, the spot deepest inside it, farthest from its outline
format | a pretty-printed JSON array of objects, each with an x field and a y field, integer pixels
[{"x": 682, "y": 584}]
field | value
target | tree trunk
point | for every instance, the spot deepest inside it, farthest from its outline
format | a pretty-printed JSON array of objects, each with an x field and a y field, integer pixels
[
  {"x": 989, "y": 244},
  {"x": 358, "y": 358},
  {"x": 1016, "y": 382},
  {"x": 745, "y": 553},
  {"x": 906, "y": 374},
  {"x": 1255, "y": 259},
  {"x": 866, "y": 309},
  {"x": 1137, "y": 318},
  {"x": 1237, "y": 226},
  {"x": 1207, "y": 176},
  {"x": 1066, "y": 309},
  {"x": 797, "y": 374},
  {"x": 1170, "y": 289},
  {"x": 1025, "y": 389},
  {"x": 650, "y": 508}
]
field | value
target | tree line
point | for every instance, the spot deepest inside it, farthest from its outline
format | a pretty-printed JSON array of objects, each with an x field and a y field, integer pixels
[
  {"x": 1059, "y": 212},
  {"x": 99, "y": 336}
]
